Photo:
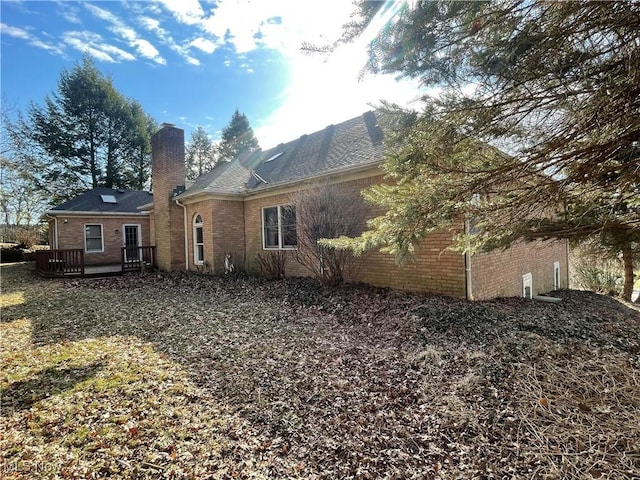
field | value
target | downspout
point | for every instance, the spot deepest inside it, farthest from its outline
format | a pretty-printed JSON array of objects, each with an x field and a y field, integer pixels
[
  {"x": 55, "y": 231},
  {"x": 467, "y": 264},
  {"x": 186, "y": 235}
]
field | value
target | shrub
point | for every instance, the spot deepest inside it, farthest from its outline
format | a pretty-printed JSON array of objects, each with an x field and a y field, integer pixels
[
  {"x": 11, "y": 255},
  {"x": 594, "y": 270},
  {"x": 271, "y": 265},
  {"x": 326, "y": 211}
]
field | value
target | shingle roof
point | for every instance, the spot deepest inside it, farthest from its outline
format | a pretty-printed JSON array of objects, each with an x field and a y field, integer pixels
[
  {"x": 355, "y": 142},
  {"x": 127, "y": 201}
]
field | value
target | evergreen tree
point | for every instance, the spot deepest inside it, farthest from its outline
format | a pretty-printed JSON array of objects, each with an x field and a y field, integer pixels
[
  {"x": 556, "y": 84},
  {"x": 200, "y": 154},
  {"x": 237, "y": 138},
  {"x": 86, "y": 135}
]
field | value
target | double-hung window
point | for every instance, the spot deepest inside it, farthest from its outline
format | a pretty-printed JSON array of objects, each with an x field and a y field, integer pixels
[
  {"x": 93, "y": 242},
  {"x": 279, "y": 227}
]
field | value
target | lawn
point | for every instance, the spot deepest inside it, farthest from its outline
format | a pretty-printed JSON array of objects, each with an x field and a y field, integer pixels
[{"x": 193, "y": 376}]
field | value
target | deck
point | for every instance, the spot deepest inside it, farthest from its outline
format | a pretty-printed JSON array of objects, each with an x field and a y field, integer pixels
[{"x": 70, "y": 263}]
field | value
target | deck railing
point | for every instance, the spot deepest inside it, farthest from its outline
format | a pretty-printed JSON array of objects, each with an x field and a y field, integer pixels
[
  {"x": 58, "y": 263},
  {"x": 137, "y": 258}
]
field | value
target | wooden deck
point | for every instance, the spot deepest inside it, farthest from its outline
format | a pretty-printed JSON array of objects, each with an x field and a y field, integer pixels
[{"x": 70, "y": 263}]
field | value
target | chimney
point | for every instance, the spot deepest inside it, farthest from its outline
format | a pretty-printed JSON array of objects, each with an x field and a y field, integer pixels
[{"x": 168, "y": 174}]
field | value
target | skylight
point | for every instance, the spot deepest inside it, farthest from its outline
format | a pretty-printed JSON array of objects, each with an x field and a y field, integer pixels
[
  {"x": 108, "y": 199},
  {"x": 273, "y": 157}
]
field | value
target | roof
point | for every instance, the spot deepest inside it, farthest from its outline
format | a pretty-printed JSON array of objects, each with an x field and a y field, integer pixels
[
  {"x": 100, "y": 200},
  {"x": 354, "y": 143}
]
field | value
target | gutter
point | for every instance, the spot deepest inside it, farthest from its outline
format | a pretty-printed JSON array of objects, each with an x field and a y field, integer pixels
[
  {"x": 55, "y": 230},
  {"x": 79, "y": 213},
  {"x": 186, "y": 238},
  {"x": 467, "y": 265}
]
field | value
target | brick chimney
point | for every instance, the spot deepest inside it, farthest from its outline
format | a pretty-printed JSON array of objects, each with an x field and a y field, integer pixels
[{"x": 168, "y": 175}]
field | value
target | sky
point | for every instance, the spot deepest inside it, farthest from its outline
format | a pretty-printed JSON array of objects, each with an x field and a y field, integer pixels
[{"x": 191, "y": 62}]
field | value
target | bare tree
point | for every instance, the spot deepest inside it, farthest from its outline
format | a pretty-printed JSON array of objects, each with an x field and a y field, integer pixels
[{"x": 326, "y": 211}]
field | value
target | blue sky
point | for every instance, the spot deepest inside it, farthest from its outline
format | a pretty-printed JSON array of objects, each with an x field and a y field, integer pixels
[{"x": 191, "y": 62}]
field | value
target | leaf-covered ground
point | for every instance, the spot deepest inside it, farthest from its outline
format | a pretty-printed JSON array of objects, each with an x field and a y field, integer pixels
[{"x": 191, "y": 376}]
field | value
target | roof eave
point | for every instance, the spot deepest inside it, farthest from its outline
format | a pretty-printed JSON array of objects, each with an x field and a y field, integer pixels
[{"x": 78, "y": 213}]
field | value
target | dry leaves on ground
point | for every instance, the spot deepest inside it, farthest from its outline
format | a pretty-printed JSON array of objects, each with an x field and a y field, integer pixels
[{"x": 193, "y": 376}]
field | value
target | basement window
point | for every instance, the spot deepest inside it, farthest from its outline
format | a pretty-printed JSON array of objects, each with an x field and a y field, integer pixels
[
  {"x": 108, "y": 199},
  {"x": 527, "y": 285},
  {"x": 556, "y": 275}
]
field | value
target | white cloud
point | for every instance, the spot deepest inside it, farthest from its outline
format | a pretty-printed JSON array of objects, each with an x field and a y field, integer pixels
[
  {"x": 14, "y": 31},
  {"x": 95, "y": 45},
  {"x": 328, "y": 89},
  {"x": 152, "y": 25},
  {"x": 34, "y": 41},
  {"x": 188, "y": 12},
  {"x": 118, "y": 27},
  {"x": 280, "y": 24},
  {"x": 207, "y": 46}
]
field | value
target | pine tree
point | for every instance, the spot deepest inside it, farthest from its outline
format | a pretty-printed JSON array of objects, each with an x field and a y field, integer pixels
[
  {"x": 556, "y": 84},
  {"x": 85, "y": 135},
  {"x": 237, "y": 138},
  {"x": 200, "y": 154}
]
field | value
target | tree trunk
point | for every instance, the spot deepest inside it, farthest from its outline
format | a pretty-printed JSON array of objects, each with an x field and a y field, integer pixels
[{"x": 627, "y": 260}]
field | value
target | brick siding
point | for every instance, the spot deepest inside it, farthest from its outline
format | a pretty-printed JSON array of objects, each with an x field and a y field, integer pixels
[
  {"x": 235, "y": 226},
  {"x": 499, "y": 273},
  {"x": 71, "y": 235},
  {"x": 168, "y": 173},
  {"x": 432, "y": 269}
]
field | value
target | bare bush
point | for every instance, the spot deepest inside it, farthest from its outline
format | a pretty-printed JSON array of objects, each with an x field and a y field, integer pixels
[
  {"x": 25, "y": 235},
  {"x": 595, "y": 270},
  {"x": 327, "y": 211},
  {"x": 271, "y": 264}
]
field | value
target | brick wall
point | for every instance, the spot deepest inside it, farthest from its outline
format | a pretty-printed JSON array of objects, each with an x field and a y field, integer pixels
[
  {"x": 228, "y": 233},
  {"x": 71, "y": 235},
  {"x": 223, "y": 230},
  {"x": 499, "y": 273},
  {"x": 433, "y": 269},
  {"x": 168, "y": 173}
]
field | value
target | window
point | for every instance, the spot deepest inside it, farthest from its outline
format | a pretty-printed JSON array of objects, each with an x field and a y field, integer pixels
[
  {"x": 556, "y": 275},
  {"x": 198, "y": 241},
  {"x": 527, "y": 285},
  {"x": 93, "y": 238},
  {"x": 279, "y": 227},
  {"x": 108, "y": 199}
]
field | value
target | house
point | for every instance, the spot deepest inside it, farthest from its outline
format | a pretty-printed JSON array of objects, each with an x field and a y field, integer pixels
[
  {"x": 247, "y": 207},
  {"x": 100, "y": 222}
]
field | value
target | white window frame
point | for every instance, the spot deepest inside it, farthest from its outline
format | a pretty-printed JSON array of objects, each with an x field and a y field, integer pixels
[
  {"x": 281, "y": 245},
  {"x": 124, "y": 238},
  {"x": 197, "y": 259},
  {"x": 86, "y": 249},
  {"x": 556, "y": 276},
  {"x": 527, "y": 281}
]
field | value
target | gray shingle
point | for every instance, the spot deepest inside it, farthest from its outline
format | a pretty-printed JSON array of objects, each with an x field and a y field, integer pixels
[
  {"x": 355, "y": 142},
  {"x": 127, "y": 201}
]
